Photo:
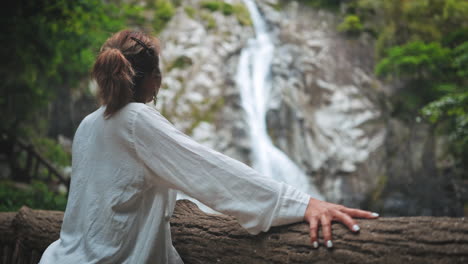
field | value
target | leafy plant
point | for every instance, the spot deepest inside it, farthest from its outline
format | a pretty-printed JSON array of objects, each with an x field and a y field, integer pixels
[
  {"x": 37, "y": 196},
  {"x": 328, "y": 4},
  {"x": 452, "y": 112},
  {"x": 415, "y": 60},
  {"x": 351, "y": 25},
  {"x": 53, "y": 151},
  {"x": 50, "y": 46}
]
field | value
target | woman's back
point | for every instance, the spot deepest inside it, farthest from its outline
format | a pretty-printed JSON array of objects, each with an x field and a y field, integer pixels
[{"x": 114, "y": 207}]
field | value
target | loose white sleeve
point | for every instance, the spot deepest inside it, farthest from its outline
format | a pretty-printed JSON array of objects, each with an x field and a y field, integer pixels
[{"x": 224, "y": 184}]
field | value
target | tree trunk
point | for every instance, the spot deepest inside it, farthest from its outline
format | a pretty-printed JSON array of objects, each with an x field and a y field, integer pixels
[{"x": 203, "y": 238}]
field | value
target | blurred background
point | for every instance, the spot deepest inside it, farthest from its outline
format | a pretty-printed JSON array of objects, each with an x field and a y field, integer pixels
[{"x": 359, "y": 102}]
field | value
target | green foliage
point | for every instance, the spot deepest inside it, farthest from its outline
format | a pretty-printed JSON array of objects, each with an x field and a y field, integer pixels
[
  {"x": 455, "y": 12},
  {"x": 425, "y": 43},
  {"x": 212, "y": 5},
  {"x": 327, "y": 4},
  {"x": 450, "y": 105},
  {"x": 452, "y": 112},
  {"x": 460, "y": 60},
  {"x": 351, "y": 25},
  {"x": 177, "y": 2},
  {"x": 227, "y": 9},
  {"x": 385, "y": 39},
  {"x": 164, "y": 10},
  {"x": 51, "y": 45},
  {"x": 36, "y": 196},
  {"x": 415, "y": 60},
  {"x": 239, "y": 10},
  {"x": 52, "y": 151}
]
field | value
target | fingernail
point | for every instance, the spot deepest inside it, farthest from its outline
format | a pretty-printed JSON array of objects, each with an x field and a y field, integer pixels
[
  {"x": 356, "y": 228},
  {"x": 329, "y": 244},
  {"x": 375, "y": 214},
  {"x": 315, "y": 244}
]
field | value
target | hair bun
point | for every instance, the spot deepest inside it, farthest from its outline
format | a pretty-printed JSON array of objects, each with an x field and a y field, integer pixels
[{"x": 126, "y": 58}]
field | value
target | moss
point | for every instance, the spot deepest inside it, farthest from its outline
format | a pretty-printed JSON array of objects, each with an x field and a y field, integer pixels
[
  {"x": 208, "y": 115},
  {"x": 190, "y": 11},
  {"x": 242, "y": 14},
  {"x": 212, "y": 5},
  {"x": 181, "y": 62},
  {"x": 227, "y": 9},
  {"x": 278, "y": 6},
  {"x": 164, "y": 10},
  {"x": 239, "y": 10},
  {"x": 209, "y": 20}
]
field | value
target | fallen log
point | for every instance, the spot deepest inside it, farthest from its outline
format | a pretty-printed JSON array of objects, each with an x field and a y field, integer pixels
[{"x": 204, "y": 238}]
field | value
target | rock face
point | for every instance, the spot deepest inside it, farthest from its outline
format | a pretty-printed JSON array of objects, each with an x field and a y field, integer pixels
[
  {"x": 199, "y": 57},
  {"x": 328, "y": 117},
  {"x": 332, "y": 116}
]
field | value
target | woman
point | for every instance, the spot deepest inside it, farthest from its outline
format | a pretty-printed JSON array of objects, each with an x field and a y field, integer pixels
[{"x": 128, "y": 162}]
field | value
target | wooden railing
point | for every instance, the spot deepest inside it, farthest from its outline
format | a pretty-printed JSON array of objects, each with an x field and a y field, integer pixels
[{"x": 12, "y": 147}]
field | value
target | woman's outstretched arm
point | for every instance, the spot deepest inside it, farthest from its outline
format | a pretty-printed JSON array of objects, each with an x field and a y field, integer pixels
[{"x": 222, "y": 183}]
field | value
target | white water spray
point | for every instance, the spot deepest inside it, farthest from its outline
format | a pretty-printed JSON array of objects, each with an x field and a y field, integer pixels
[{"x": 254, "y": 83}]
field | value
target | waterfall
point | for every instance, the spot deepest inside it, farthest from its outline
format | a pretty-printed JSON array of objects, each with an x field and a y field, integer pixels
[{"x": 253, "y": 80}]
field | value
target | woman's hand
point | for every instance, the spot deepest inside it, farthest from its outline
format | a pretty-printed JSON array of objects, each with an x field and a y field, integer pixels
[{"x": 323, "y": 213}]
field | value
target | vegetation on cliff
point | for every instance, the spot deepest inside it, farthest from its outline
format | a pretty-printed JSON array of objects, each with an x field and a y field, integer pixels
[{"x": 424, "y": 44}]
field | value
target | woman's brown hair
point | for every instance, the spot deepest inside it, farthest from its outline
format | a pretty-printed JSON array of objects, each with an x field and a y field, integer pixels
[{"x": 123, "y": 62}]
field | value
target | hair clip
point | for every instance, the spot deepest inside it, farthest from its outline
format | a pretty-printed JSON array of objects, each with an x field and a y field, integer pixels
[{"x": 150, "y": 51}]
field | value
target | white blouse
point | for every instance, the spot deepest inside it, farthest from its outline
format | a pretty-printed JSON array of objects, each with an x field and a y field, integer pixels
[{"x": 126, "y": 171}]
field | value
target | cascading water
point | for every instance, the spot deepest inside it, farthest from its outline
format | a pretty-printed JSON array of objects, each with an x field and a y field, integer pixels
[{"x": 253, "y": 80}]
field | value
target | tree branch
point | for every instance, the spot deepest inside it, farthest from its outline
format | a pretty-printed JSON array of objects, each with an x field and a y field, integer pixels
[{"x": 203, "y": 238}]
